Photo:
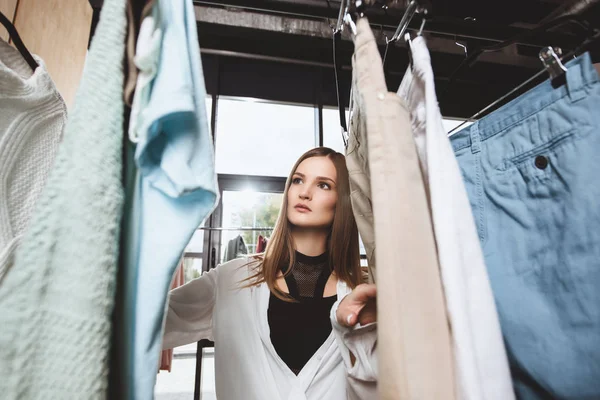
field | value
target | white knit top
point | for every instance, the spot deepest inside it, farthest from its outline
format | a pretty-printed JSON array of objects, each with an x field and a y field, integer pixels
[
  {"x": 56, "y": 301},
  {"x": 32, "y": 118}
]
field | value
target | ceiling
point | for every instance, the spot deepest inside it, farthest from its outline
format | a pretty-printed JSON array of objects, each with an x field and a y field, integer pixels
[{"x": 279, "y": 48}]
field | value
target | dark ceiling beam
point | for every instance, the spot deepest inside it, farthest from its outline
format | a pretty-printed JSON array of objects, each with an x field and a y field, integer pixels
[
  {"x": 570, "y": 8},
  {"x": 446, "y": 21},
  {"x": 247, "y": 23},
  {"x": 440, "y": 24}
]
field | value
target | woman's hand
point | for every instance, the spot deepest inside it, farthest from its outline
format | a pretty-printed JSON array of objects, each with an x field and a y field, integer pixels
[{"x": 358, "y": 306}]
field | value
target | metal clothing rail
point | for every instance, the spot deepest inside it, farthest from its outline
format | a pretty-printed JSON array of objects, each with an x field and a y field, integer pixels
[
  {"x": 578, "y": 51},
  {"x": 241, "y": 228}
]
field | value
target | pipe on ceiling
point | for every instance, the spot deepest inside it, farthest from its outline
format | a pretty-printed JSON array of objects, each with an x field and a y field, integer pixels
[{"x": 570, "y": 8}]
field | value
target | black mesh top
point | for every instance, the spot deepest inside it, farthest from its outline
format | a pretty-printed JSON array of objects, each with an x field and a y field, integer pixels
[{"x": 299, "y": 329}]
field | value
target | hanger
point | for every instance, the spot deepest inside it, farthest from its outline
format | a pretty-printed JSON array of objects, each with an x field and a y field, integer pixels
[
  {"x": 337, "y": 38},
  {"x": 351, "y": 11},
  {"x": 343, "y": 15},
  {"x": 408, "y": 40},
  {"x": 413, "y": 7},
  {"x": 14, "y": 35},
  {"x": 471, "y": 58},
  {"x": 552, "y": 65}
]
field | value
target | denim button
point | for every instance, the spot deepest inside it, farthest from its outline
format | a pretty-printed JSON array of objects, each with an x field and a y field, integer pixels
[{"x": 541, "y": 162}]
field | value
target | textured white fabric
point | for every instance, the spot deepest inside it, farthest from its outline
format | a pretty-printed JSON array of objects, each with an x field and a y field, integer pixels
[
  {"x": 481, "y": 371},
  {"x": 247, "y": 365},
  {"x": 32, "y": 118},
  {"x": 57, "y": 299}
]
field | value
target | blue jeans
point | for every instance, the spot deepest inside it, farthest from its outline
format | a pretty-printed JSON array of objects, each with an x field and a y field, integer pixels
[{"x": 532, "y": 172}]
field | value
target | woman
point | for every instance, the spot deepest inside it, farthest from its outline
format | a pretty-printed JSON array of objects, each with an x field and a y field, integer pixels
[{"x": 271, "y": 315}]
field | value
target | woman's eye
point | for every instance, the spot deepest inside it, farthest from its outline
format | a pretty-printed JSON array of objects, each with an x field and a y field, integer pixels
[
  {"x": 296, "y": 181},
  {"x": 324, "y": 185}
]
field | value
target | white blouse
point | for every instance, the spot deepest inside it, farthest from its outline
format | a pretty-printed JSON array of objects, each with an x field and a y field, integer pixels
[{"x": 217, "y": 307}]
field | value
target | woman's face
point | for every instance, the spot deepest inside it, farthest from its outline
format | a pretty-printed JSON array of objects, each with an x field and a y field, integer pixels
[{"x": 312, "y": 196}]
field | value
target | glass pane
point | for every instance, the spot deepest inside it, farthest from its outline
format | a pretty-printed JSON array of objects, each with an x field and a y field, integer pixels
[
  {"x": 196, "y": 244},
  {"x": 261, "y": 138},
  {"x": 192, "y": 268},
  {"x": 332, "y": 135},
  {"x": 248, "y": 209},
  {"x": 207, "y": 380},
  {"x": 208, "y": 103},
  {"x": 361, "y": 246},
  {"x": 450, "y": 124},
  {"x": 179, "y": 383}
]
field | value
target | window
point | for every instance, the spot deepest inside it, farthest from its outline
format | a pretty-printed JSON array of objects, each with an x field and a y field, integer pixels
[
  {"x": 262, "y": 138},
  {"x": 451, "y": 123},
  {"x": 248, "y": 209},
  {"x": 193, "y": 255},
  {"x": 208, "y": 103},
  {"x": 332, "y": 134},
  {"x": 207, "y": 380},
  {"x": 179, "y": 383}
]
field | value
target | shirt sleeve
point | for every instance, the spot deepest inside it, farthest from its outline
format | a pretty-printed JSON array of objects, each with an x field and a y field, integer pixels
[
  {"x": 362, "y": 342},
  {"x": 190, "y": 311}
]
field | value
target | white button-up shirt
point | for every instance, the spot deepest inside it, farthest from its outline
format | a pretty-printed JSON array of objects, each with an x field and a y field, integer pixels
[{"x": 216, "y": 306}]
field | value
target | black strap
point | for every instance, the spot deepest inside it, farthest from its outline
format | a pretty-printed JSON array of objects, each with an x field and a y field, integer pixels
[
  {"x": 337, "y": 37},
  {"x": 14, "y": 35}
]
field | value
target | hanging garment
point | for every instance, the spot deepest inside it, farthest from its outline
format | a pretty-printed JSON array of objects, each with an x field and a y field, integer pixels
[
  {"x": 235, "y": 248},
  {"x": 175, "y": 184},
  {"x": 122, "y": 354},
  {"x": 413, "y": 327},
  {"x": 136, "y": 12},
  {"x": 530, "y": 169},
  {"x": 32, "y": 118},
  {"x": 166, "y": 357},
  {"x": 56, "y": 301},
  {"x": 247, "y": 365},
  {"x": 262, "y": 244},
  {"x": 481, "y": 366},
  {"x": 259, "y": 244},
  {"x": 360, "y": 188}
]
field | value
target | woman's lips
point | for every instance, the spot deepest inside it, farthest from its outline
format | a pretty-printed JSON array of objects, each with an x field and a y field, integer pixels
[{"x": 302, "y": 208}]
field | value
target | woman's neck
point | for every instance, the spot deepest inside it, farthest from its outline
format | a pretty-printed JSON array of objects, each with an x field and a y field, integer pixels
[{"x": 310, "y": 242}]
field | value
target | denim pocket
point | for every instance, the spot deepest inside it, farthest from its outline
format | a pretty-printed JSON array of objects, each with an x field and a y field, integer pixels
[
  {"x": 552, "y": 144},
  {"x": 538, "y": 196}
]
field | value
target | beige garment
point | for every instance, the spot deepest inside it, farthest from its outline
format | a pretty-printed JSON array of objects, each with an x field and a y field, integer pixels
[
  {"x": 360, "y": 187},
  {"x": 415, "y": 357}
]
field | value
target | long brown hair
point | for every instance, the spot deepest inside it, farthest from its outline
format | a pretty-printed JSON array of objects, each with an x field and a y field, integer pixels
[{"x": 342, "y": 243}]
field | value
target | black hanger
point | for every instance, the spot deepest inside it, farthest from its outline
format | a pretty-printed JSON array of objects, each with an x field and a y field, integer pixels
[
  {"x": 556, "y": 81},
  {"x": 337, "y": 38},
  {"x": 568, "y": 19},
  {"x": 14, "y": 35}
]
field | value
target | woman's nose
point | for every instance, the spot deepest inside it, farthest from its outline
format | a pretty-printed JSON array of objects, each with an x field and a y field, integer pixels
[{"x": 305, "y": 194}]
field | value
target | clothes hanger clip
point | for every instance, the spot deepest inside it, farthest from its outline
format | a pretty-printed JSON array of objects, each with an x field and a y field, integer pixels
[
  {"x": 420, "y": 33},
  {"x": 350, "y": 22},
  {"x": 551, "y": 61}
]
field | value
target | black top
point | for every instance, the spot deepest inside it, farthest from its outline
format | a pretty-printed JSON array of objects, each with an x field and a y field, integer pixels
[{"x": 299, "y": 329}]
